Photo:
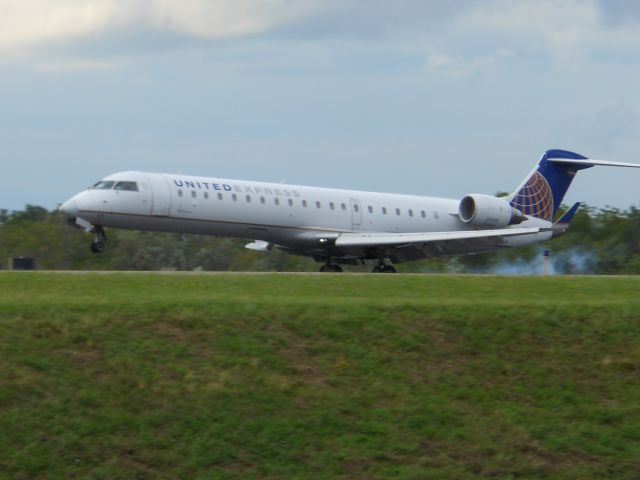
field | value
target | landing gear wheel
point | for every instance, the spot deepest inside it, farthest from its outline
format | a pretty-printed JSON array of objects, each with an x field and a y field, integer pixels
[
  {"x": 382, "y": 268},
  {"x": 97, "y": 247},
  {"x": 99, "y": 243},
  {"x": 331, "y": 267}
]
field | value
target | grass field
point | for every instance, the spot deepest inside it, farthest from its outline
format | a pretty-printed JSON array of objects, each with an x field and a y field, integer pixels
[{"x": 320, "y": 376}]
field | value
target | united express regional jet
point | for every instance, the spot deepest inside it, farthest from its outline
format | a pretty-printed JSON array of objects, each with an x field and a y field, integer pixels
[{"x": 334, "y": 226}]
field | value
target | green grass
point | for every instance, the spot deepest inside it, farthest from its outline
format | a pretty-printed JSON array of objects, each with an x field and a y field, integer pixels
[{"x": 287, "y": 376}]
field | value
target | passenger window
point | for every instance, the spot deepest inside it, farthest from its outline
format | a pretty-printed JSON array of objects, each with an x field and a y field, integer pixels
[
  {"x": 276, "y": 200},
  {"x": 423, "y": 214},
  {"x": 304, "y": 203},
  {"x": 103, "y": 185},
  {"x": 179, "y": 193},
  {"x": 356, "y": 208},
  {"x": 397, "y": 211},
  {"x": 219, "y": 196},
  {"x": 234, "y": 197},
  {"x": 262, "y": 200},
  {"x": 193, "y": 193},
  {"x": 436, "y": 215},
  {"x": 343, "y": 206},
  {"x": 206, "y": 195},
  {"x": 332, "y": 205},
  {"x": 248, "y": 197},
  {"x": 290, "y": 202},
  {"x": 127, "y": 186},
  {"x": 317, "y": 204},
  {"x": 370, "y": 208},
  {"x": 410, "y": 213},
  {"x": 384, "y": 210}
]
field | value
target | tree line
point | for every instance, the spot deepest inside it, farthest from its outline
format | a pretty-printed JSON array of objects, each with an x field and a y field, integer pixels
[{"x": 599, "y": 241}]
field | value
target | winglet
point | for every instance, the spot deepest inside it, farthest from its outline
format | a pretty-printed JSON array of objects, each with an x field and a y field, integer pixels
[{"x": 568, "y": 215}]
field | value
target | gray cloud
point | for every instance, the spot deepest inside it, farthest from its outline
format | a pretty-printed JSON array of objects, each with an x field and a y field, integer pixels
[
  {"x": 619, "y": 11},
  {"x": 366, "y": 19},
  {"x": 466, "y": 31}
]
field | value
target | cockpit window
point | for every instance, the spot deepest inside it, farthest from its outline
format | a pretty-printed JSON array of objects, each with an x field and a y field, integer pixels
[
  {"x": 103, "y": 185},
  {"x": 129, "y": 186}
]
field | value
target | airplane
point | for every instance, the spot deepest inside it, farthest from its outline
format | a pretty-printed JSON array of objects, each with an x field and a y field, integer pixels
[{"x": 335, "y": 227}]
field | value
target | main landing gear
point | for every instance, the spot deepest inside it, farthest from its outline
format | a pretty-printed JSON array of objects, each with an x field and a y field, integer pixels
[
  {"x": 330, "y": 267},
  {"x": 99, "y": 242},
  {"x": 383, "y": 268}
]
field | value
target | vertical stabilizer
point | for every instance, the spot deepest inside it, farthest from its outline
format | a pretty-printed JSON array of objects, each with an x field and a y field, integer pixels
[{"x": 541, "y": 193}]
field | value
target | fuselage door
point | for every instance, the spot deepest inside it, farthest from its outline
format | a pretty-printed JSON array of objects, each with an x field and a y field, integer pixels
[
  {"x": 356, "y": 213},
  {"x": 161, "y": 205}
]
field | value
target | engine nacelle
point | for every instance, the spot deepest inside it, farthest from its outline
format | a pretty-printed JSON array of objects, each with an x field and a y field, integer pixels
[{"x": 485, "y": 211}]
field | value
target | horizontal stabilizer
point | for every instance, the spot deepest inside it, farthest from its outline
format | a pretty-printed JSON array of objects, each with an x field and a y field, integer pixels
[
  {"x": 568, "y": 215},
  {"x": 381, "y": 239},
  {"x": 590, "y": 162}
]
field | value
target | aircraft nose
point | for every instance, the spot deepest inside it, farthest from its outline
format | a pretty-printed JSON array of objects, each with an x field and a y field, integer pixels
[{"x": 69, "y": 208}]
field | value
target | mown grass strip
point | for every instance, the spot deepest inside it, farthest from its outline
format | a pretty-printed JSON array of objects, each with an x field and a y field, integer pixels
[{"x": 276, "y": 376}]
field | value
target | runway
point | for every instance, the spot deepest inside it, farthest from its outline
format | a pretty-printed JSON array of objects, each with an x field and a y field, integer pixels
[{"x": 300, "y": 274}]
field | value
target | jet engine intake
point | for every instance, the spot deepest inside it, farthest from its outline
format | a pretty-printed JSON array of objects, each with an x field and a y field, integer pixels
[{"x": 485, "y": 211}]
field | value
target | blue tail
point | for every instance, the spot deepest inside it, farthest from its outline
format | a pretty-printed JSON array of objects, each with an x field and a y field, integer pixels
[{"x": 541, "y": 194}]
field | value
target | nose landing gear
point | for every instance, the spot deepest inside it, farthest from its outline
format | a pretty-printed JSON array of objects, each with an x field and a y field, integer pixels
[{"x": 99, "y": 242}]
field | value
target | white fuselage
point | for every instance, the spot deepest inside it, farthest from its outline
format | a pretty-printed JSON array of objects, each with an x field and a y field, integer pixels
[{"x": 290, "y": 216}]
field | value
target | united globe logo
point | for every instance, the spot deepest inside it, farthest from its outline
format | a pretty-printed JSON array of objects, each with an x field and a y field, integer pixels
[{"x": 535, "y": 198}]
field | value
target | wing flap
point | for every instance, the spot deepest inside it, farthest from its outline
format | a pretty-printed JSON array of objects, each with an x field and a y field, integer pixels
[{"x": 383, "y": 239}]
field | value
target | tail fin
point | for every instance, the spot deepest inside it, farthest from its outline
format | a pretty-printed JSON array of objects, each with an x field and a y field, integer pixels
[{"x": 541, "y": 193}]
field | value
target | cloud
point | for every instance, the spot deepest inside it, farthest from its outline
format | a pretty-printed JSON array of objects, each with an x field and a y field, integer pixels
[
  {"x": 229, "y": 18},
  {"x": 619, "y": 11},
  {"x": 27, "y": 24},
  {"x": 454, "y": 37},
  {"x": 571, "y": 31}
]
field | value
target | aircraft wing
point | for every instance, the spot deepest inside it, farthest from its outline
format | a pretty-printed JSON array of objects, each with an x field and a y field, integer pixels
[
  {"x": 401, "y": 247},
  {"x": 372, "y": 239}
]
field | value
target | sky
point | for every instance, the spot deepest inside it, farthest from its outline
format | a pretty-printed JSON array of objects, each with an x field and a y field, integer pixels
[{"x": 426, "y": 97}]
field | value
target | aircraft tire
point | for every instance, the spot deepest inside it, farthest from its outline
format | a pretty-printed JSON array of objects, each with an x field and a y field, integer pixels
[
  {"x": 388, "y": 269},
  {"x": 331, "y": 268},
  {"x": 97, "y": 247}
]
